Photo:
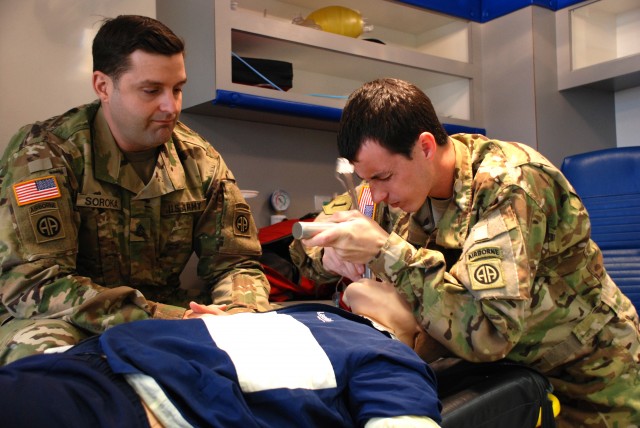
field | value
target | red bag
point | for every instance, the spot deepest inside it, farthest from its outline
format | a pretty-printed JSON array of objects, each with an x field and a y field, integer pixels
[{"x": 284, "y": 277}]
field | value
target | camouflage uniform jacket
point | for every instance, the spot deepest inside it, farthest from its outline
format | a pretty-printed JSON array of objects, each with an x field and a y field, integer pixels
[
  {"x": 510, "y": 270},
  {"x": 83, "y": 239}
]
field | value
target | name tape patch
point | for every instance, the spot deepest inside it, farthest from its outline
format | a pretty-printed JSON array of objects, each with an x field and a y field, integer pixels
[
  {"x": 99, "y": 201},
  {"x": 172, "y": 208}
]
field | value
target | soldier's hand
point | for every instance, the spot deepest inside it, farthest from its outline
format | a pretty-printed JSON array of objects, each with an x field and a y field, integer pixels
[
  {"x": 335, "y": 264},
  {"x": 356, "y": 239},
  {"x": 198, "y": 310}
]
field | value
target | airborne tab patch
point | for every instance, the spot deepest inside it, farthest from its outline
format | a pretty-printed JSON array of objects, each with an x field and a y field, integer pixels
[
  {"x": 39, "y": 189},
  {"x": 484, "y": 253}
]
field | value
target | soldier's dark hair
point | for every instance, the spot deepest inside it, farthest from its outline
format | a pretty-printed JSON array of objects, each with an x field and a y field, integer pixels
[
  {"x": 119, "y": 37},
  {"x": 392, "y": 113}
]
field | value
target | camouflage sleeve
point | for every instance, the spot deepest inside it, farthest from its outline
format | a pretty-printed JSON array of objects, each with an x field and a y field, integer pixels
[
  {"x": 477, "y": 307},
  {"x": 38, "y": 270},
  {"x": 309, "y": 263},
  {"x": 226, "y": 242},
  {"x": 309, "y": 260}
]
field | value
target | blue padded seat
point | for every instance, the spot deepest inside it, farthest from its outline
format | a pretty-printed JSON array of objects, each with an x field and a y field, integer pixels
[{"x": 608, "y": 182}]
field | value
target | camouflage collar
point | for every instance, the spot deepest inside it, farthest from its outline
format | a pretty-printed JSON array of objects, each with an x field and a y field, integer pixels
[
  {"x": 107, "y": 156},
  {"x": 454, "y": 224},
  {"x": 168, "y": 176}
]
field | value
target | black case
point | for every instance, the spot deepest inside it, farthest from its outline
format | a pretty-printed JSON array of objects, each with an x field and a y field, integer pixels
[
  {"x": 502, "y": 394},
  {"x": 278, "y": 72}
]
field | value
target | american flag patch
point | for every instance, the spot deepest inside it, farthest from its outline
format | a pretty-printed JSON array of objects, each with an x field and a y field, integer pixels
[
  {"x": 365, "y": 202},
  {"x": 36, "y": 190}
]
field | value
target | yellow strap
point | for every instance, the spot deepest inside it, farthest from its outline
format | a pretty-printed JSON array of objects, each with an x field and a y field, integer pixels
[{"x": 555, "y": 404}]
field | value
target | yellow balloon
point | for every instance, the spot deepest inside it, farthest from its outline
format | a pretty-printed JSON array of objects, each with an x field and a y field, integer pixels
[{"x": 338, "y": 20}]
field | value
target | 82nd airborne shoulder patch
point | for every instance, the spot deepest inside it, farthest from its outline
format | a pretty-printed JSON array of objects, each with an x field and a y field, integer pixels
[
  {"x": 242, "y": 221},
  {"x": 485, "y": 268}
]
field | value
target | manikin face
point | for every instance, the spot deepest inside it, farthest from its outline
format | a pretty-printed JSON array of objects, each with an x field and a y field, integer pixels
[
  {"x": 142, "y": 108},
  {"x": 400, "y": 182}
]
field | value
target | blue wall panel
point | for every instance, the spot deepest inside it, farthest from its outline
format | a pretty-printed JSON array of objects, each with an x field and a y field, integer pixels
[
  {"x": 486, "y": 10},
  {"x": 467, "y": 9}
]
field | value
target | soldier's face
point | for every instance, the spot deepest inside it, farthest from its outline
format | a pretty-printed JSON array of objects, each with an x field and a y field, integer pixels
[
  {"x": 143, "y": 106},
  {"x": 400, "y": 182}
]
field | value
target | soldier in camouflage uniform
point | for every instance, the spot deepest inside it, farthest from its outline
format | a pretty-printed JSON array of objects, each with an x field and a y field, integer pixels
[
  {"x": 102, "y": 207},
  {"x": 490, "y": 246}
]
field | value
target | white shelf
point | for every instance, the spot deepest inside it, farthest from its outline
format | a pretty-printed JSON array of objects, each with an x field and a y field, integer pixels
[
  {"x": 429, "y": 49},
  {"x": 598, "y": 45},
  {"x": 397, "y": 24}
]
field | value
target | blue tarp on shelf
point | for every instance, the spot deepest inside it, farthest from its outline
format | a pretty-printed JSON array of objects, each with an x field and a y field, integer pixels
[{"x": 254, "y": 102}]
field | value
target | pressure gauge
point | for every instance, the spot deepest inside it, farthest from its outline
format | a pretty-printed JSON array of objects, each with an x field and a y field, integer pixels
[{"x": 280, "y": 200}]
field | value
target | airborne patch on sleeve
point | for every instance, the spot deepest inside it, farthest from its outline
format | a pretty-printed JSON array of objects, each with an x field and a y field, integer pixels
[
  {"x": 485, "y": 268},
  {"x": 486, "y": 274},
  {"x": 489, "y": 265},
  {"x": 47, "y": 224},
  {"x": 242, "y": 221}
]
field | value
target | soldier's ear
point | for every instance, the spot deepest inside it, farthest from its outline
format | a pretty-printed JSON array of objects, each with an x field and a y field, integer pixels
[
  {"x": 101, "y": 85},
  {"x": 428, "y": 144}
]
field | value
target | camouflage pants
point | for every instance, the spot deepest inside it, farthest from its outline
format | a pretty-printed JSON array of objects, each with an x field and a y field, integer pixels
[
  {"x": 602, "y": 389},
  {"x": 21, "y": 338}
]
